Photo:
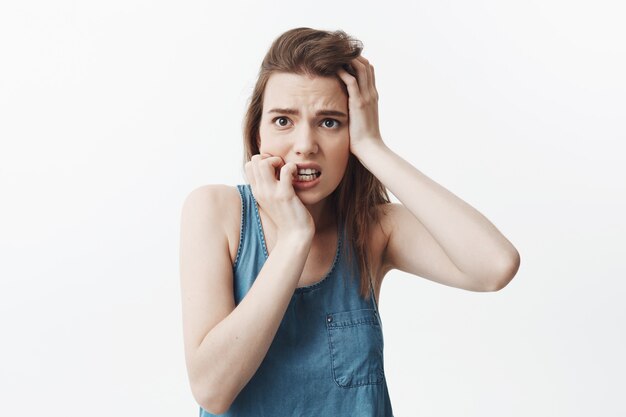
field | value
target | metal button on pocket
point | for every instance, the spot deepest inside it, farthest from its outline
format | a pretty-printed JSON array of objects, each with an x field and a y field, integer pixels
[{"x": 329, "y": 318}]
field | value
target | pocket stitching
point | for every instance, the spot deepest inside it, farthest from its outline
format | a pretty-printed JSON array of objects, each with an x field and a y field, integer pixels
[{"x": 346, "y": 323}]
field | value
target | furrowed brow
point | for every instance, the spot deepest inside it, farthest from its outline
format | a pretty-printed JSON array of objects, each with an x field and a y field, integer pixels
[{"x": 319, "y": 113}]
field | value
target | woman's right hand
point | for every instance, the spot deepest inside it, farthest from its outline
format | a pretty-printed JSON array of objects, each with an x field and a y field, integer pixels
[{"x": 275, "y": 194}]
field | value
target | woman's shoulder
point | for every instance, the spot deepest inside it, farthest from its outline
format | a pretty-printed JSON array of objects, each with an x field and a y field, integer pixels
[
  {"x": 218, "y": 196},
  {"x": 222, "y": 202}
]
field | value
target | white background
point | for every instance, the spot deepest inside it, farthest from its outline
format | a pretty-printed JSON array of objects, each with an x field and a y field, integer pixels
[{"x": 112, "y": 112}]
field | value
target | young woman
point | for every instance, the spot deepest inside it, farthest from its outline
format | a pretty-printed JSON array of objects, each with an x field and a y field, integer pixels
[{"x": 280, "y": 277}]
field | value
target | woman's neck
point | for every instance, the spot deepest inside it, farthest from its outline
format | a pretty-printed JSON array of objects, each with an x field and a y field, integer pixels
[{"x": 322, "y": 215}]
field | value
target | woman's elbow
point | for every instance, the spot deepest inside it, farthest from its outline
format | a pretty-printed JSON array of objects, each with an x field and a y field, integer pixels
[
  {"x": 211, "y": 408},
  {"x": 508, "y": 272},
  {"x": 211, "y": 399}
]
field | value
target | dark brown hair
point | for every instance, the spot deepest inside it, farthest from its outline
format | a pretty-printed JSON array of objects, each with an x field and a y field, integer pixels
[{"x": 355, "y": 201}]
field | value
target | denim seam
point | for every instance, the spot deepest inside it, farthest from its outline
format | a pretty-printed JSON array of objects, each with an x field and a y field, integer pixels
[
  {"x": 258, "y": 221},
  {"x": 241, "y": 227},
  {"x": 353, "y": 323}
]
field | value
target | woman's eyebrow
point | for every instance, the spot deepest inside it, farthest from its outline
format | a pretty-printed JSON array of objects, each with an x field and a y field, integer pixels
[{"x": 319, "y": 113}]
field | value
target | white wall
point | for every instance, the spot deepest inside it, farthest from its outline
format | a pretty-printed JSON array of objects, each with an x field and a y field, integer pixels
[{"x": 112, "y": 112}]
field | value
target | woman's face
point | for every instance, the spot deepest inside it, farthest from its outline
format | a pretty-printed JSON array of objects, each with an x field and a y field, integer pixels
[{"x": 306, "y": 120}]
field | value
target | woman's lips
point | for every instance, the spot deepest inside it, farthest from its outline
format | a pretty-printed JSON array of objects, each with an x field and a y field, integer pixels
[{"x": 311, "y": 165}]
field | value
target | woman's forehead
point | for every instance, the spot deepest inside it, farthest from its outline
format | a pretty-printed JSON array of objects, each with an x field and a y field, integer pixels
[{"x": 288, "y": 90}]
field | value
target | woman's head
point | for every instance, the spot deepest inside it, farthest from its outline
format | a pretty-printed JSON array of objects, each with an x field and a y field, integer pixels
[{"x": 299, "y": 72}]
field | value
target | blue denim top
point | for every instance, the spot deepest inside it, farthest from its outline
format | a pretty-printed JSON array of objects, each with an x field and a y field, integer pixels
[{"x": 326, "y": 358}]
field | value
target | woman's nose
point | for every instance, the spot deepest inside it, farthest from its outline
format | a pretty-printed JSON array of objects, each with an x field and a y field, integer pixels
[{"x": 305, "y": 141}]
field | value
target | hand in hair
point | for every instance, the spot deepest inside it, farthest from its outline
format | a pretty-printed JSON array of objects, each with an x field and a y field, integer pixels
[{"x": 362, "y": 105}]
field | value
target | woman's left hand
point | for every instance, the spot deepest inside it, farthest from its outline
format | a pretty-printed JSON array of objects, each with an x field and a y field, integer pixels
[{"x": 362, "y": 104}]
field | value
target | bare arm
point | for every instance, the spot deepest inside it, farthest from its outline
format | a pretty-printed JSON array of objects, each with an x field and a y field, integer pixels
[
  {"x": 434, "y": 233},
  {"x": 224, "y": 344}
]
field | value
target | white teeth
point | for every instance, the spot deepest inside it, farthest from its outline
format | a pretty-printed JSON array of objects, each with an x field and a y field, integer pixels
[
  {"x": 306, "y": 177},
  {"x": 307, "y": 171}
]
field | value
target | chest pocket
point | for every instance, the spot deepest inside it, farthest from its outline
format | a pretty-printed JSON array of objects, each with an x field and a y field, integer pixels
[{"x": 355, "y": 340}]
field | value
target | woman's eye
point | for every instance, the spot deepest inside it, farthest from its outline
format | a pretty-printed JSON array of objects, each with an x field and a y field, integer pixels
[
  {"x": 335, "y": 123},
  {"x": 279, "y": 123}
]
